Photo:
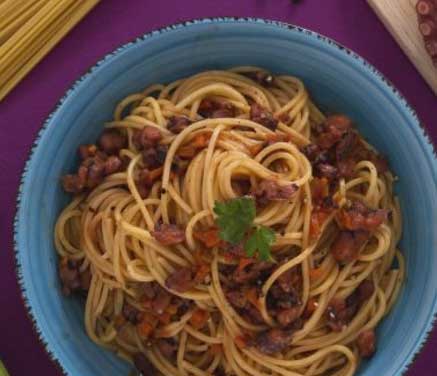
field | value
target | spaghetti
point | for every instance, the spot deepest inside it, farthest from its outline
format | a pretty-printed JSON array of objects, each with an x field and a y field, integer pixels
[
  {"x": 29, "y": 29},
  {"x": 167, "y": 288}
]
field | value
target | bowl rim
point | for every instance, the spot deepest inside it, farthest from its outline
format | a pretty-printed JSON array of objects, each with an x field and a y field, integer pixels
[{"x": 53, "y": 353}]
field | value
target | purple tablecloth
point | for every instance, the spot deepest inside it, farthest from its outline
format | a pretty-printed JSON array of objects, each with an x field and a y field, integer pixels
[{"x": 112, "y": 23}]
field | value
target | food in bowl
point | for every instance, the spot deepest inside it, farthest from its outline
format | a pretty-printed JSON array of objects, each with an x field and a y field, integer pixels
[{"x": 222, "y": 224}]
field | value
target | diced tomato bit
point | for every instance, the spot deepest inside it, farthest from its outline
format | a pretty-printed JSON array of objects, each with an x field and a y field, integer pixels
[
  {"x": 252, "y": 296},
  {"x": 229, "y": 257},
  {"x": 256, "y": 148},
  {"x": 145, "y": 329},
  {"x": 150, "y": 318},
  {"x": 156, "y": 173},
  {"x": 201, "y": 273},
  {"x": 119, "y": 321},
  {"x": 198, "y": 256},
  {"x": 164, "y": 318},
  {"x": 63, "y": 261},
  {"x": 315, "y": 273},
  {"x": 278, "y": 137},
  {"x": 161, "y": 333},
  {"x": 210, "y": 238},
  {"x": 147, "y": 303},
  {"x": 310, "y": 307},
  {"x": 240, "y": 342},
  {"x": 187, "y": 152},
  {"x": 215, "y": 349},
  {"x": 319, "y": 189},
  {"x": 148, "y": 177},
  {"x": 223, "y": 244},
  {"x": 199, "y": 318},
  {"x": 201, "y": 140},
  {"x": 245, "y": 261},
  {"x": 172, "y": 309},
  {"x": 318, "y": 218}
]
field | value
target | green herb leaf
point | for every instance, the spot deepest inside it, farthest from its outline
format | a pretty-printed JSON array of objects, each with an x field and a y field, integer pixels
[
  {"x": 261, "y": 240},
  {"x": 235, "y": 218}
]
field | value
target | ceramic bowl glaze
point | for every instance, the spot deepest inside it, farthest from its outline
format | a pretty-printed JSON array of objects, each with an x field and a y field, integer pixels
[{"x": 338, "y": 80}]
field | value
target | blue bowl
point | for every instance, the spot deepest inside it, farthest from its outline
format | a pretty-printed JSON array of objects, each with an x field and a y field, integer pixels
[{"x": 338, "y": 80}]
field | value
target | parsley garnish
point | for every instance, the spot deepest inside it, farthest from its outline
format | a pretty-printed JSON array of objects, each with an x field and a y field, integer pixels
[
  {"x": 261, "y": 240},
  {"x": 235, "y": 220},
  {"x": 235, "y": 217}
]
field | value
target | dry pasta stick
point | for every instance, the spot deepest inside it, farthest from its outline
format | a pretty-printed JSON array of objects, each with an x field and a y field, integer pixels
[
  {"x": 31, "y": 29},
  {"x": 10, "y": 25},
  {"x": 37, "y": 46}
]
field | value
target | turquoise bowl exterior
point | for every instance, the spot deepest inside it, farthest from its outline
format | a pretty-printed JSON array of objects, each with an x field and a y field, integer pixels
[{"x": 338, "y": 80}]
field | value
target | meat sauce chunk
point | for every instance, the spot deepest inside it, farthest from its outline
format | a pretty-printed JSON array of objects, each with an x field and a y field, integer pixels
[
  {"x": 366, "y": 343},
  {"x": 262, "y": 116},
  {"x": 143, "y": 365},
  {"x": 273, "y": 341},
  {"x": 359, "y": 217},
  {"x": 210, "y": 108},
  {"x": 181, "y": 280},
  {"x": 270, "y": 190},
  {"x": 168, "y": 234},
  {"x": 346, "y": 246}
]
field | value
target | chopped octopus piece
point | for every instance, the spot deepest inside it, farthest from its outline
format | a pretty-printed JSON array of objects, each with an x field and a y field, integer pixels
[
  {"x": 143, "y": 365},
  {"x": 286, "y": 316},
  {"x": 154, "y": 157},
  {"x": 359, "y": 217},
  {"x": 332, "y": 130},
  {"x": 176, "y": 124},
  {"x": 262, "y": 116},
  {"x": 131, "y": 314},
  {"x": 346, "y": 246},
  {"x": 167, "y": 347},
  {"x": 237, "y": 298},
  {"x": 112, "y": 141},
  {"x": 274, "y": 340},
  {"x": 339, "y": 314},
  {"x": 161, "y": 301},
  {"x": 341, "y": 311},
  {"x": 72, "y": 279},
  {"x": 147, "y": 137},
  {"x": 168, "y": 234},
  {"x": 181, "y": 280},
  {"x": 251, "y": 272},
  {"x": 270, "y": 190},
  {"x": 261, "y": 77},
  {"x": 367, "y": 343},
  {"x": 210, "y": 108}
]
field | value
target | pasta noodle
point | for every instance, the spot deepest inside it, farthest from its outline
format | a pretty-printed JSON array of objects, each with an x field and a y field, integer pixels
[
  {"x": 227, "y": 135},
  {"x": 29, "y": 29}
]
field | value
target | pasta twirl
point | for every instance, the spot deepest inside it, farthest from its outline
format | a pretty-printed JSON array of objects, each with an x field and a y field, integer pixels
[{"x": 167, "y": 290}]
